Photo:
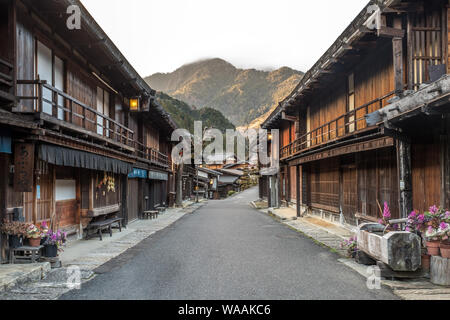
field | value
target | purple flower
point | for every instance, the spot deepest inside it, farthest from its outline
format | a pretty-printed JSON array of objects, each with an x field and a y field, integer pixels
[
  {"x": 447, "y": 214},
  {"x": 421, "y": 218},
  {"x": 413, "y": 214},
  {"x": 407, "y": 229},
  {"x": 434, "y": 209},
  {"x": 443, "y": 226}
]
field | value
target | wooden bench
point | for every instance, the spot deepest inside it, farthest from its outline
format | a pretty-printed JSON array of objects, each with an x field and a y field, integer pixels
[
  {"x": 25, "y": 254},
  {"x": 150, "y": 214},
  {"x": 106, "y": 224}
]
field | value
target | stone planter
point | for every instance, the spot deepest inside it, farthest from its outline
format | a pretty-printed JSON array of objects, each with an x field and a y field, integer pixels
[
  {"x": 400, "y": 250},
  {"x": 433, "y": 248},
  {"x": 445, "y": 250}
]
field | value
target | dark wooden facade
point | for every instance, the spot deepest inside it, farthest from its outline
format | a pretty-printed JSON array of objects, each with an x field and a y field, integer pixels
[
  {"x": 336, "y": 163},
  {"x": 73, "y": 91}
]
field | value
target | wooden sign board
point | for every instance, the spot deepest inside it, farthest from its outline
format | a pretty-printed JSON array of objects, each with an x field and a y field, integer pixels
[{"x": 23, "y": 167}]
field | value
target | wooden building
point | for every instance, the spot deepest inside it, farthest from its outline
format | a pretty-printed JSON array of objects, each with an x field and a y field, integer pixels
[
  {"x": 81, "y": 134},
  {"x": 341, "y": 157}
]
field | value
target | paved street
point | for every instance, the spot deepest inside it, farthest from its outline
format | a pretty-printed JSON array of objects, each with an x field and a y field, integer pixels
[{"x": 227, "y": 250}]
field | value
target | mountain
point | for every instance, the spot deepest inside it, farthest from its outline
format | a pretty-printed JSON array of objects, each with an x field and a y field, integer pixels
[
  {"x": 184, "y": 115},
  {"x": 242, "y": 95}
]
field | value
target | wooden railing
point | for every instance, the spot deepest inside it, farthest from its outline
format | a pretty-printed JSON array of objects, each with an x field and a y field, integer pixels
[
  {"x": 151, "y": 155},
  {"x": 347, "y": 124},
  {"x": 6, "y": 73},
  {"x": 63, "y": 107}
]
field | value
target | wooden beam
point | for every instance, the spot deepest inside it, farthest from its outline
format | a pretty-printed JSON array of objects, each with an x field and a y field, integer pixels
[
  {"x": 352, "y": 148},
  {"x": 284, "y": 116},
  {"x": 388, "y": 32}
]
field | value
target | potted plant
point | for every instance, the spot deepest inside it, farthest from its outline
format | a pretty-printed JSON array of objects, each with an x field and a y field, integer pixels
[
  {"x": 434, "y": 228},
  {"x": 34, "y": 235},
  {"x": 15, "y": 231},
  {"x": 54, "y": 243},
  {"x": 444, "y": 229},
  {"x": 44, "y": 232},
  {"x": 351, "y": 245}
]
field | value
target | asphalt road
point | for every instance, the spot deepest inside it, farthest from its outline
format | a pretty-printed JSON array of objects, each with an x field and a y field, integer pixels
[{"x": 227, "y": 250}]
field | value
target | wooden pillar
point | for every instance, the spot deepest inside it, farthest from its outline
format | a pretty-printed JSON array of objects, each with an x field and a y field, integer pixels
[
  {"x": 410, "y": 53},
  {"x": 141, "y": 198},
  {"x": 179, "y": 185},
  {"x": 397, "y": 48},
  {"x": 124, "y": 209},
  {"x": 4, "y": 172},
  {"x": 297, "y": 181},
  {"x": 405, "y": 177},
  {"x": 443, "y": 161}
]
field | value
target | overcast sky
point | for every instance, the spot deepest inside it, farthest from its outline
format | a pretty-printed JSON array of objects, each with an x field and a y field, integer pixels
[{"x": 162, "y": 35}]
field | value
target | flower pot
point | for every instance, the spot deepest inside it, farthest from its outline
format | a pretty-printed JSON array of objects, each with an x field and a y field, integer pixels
[
  {"x": 426, "y": 260},
  {"x": 50, "y": 250},
  {"x": 14, "y": 242},
  {"x": 433, "y": 248},
  {"x": 445, "y": 250},
  {"x": 43, "y": 240},
  {"x": 34, "y": 242}
]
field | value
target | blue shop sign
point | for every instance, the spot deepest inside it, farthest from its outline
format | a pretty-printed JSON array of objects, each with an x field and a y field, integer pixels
[
  {"x": 138, "y": 173},
  {"x": 5, "y": 144}
]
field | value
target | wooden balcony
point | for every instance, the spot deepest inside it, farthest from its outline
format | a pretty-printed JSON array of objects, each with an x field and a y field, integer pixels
[
  {"x": 151, "y": 155},
  {"x": 345, "y": 126},
  {"x": 61, "y": 110}
]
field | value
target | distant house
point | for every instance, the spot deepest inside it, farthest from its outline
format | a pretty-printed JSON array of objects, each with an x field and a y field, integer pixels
[
  {"x": 219, "y": 160},
  {"x": 209, "y": 186},
  {"x": 229, "y": 181}
]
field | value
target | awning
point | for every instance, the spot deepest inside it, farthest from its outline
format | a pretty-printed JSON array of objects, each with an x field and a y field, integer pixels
[{"x": 79, "y": 159}]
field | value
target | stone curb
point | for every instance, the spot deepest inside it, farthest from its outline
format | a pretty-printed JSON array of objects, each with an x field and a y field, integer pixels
[{"x": 37, "y": 272}]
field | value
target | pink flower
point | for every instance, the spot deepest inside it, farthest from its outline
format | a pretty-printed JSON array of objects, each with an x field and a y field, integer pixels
[
  {"x": 430, "y": 229},
  {"x": 386, "y": 211},
  {"x": 443, "y": 226},
  {"x": 421, "y": 218},
  {"x": 434, "y": 209},
  {"x": 407, "y": 229},
  {"x": 413, "y": 214},
  {"x": 447, "y": 214}
]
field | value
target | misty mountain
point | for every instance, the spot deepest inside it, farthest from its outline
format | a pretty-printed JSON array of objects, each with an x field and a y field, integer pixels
[{"x": 241, "y": 95}]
